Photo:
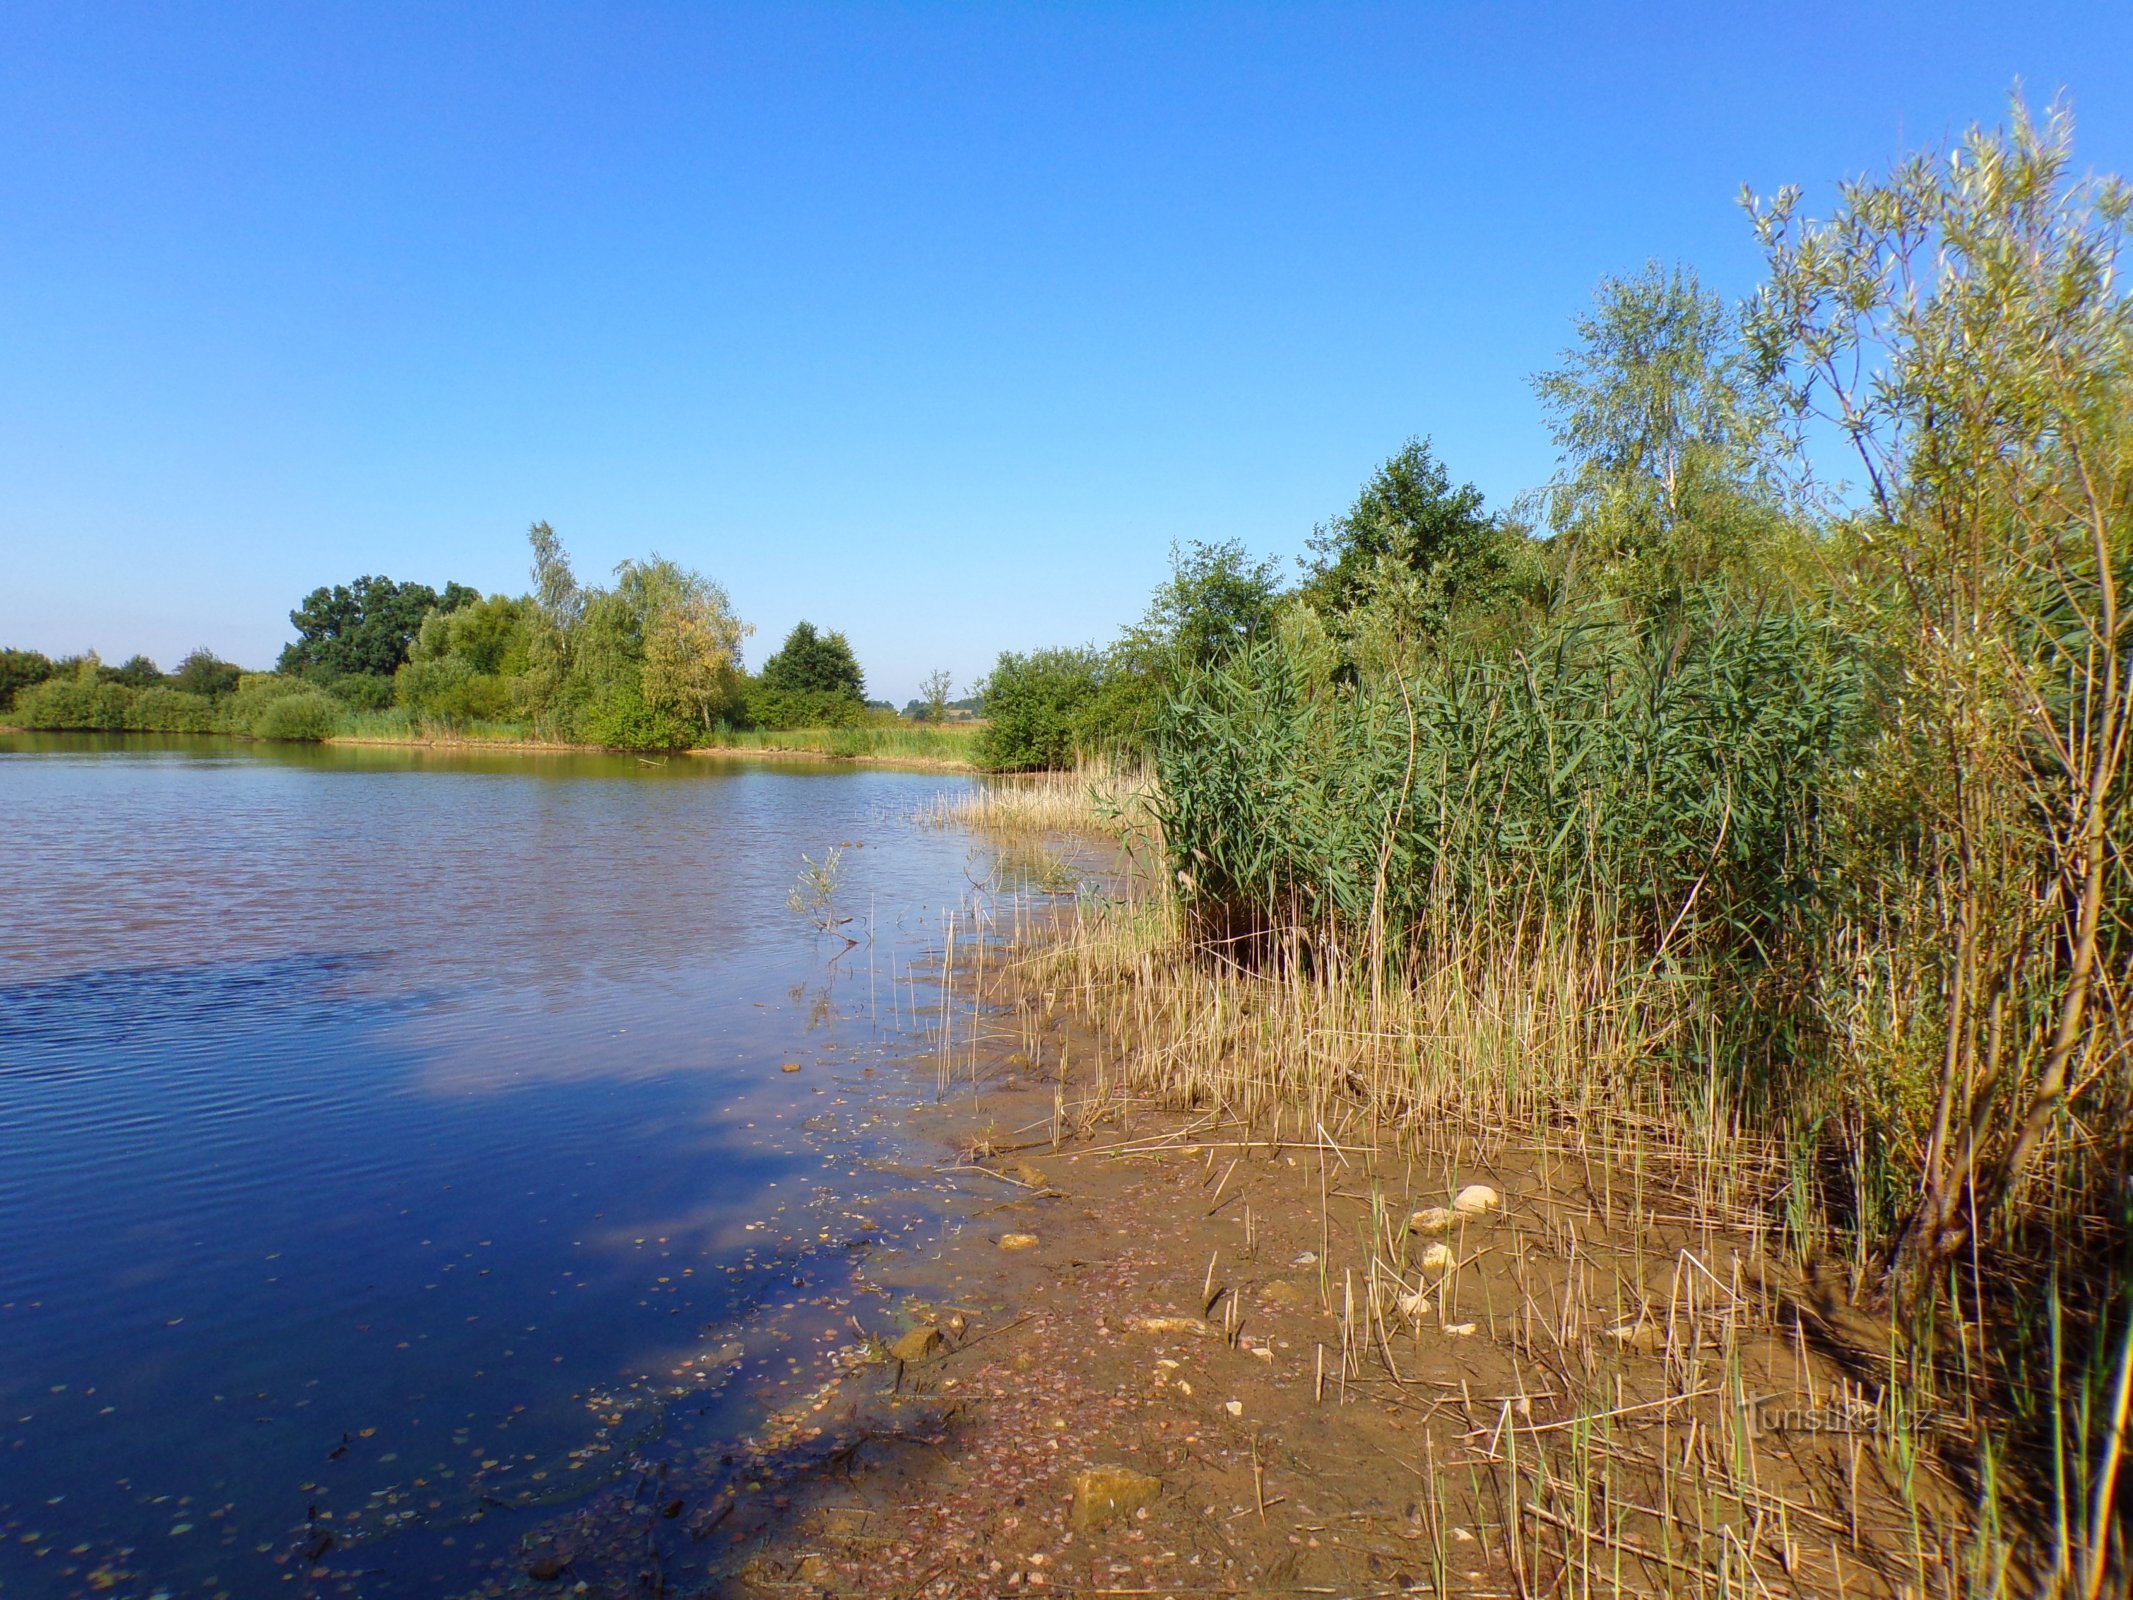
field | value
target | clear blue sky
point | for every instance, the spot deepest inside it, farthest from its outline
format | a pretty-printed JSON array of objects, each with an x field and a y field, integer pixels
[{"x": 933, "y": 323}]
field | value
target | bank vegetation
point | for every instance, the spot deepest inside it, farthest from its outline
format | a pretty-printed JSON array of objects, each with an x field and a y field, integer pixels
[{"x": 1703, "y": 803}]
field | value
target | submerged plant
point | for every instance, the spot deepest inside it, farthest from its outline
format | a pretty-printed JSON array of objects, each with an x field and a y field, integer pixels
[{"x": 814, "y": 893}]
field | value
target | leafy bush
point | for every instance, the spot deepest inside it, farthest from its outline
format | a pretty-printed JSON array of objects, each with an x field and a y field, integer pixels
[
  {"x": 451, "y": 691},
  {"x": 307, "y": 714},
  {"x": 619, "y": 718},
  {"x": 1036, "y": 706},
  {"x": 242, "y": 708},
  {"x": 360, "y": 691},
  {"x": 74, "y": 703},
  {"x": 170, "y": 711},
  {"x": 767, "y": 707},
  {"x": 264, "y": 706}
]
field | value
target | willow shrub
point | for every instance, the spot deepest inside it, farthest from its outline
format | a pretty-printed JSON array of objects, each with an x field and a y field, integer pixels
[
  {"x": 264, "y": 706},
  {"x": 74, "y": 703},
  {"x": 1672, "y": 771}
]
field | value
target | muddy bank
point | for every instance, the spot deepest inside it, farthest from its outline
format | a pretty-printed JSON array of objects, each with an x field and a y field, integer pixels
[
  {"x": 1161, "y": 1353},
  {"x": 1176, "y": 1357}
]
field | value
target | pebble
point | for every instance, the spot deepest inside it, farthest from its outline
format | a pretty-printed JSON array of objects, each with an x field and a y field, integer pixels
[
  {"x": 916, "y": 1345},
  {"x": 1103, "y": 1494},
  {"x": 1018, "y": 1241},
  {"x": 1191, "y": 1325},
  {"x": 1475, "y": 1200}
]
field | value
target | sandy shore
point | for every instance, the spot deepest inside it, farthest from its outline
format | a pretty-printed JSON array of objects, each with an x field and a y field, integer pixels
[{"x": 1155, "y": 1364}]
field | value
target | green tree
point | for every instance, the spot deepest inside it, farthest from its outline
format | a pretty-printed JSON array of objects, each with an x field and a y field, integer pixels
[
  {"x": 19, "y": 669},
  {"x": 558, "y": 608},
  {"x": 204, "y": 672},
  {"x": 1215, "y": 601},
  {"x": 934, "y": 689},
  {"x": 1667, "y": 440},
  {"x": 1412, "y": 546},
  {"x": 692, "y": 642},
  {"x": 366, "y": 627},
  {"x": 136, "y": 672},
  {"x": 809, "y": 662}
]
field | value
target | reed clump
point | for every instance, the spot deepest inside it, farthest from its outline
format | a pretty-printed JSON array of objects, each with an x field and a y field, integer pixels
[{"x": 1098, "y": 798}]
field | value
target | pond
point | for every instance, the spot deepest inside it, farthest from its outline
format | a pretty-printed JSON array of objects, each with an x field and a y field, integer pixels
[{"x": 392, "y": 1140}]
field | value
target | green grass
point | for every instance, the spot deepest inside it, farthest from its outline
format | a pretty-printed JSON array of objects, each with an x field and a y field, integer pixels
[
  {"x": 398, "y": 723},
  {"x": 950, "y": 744}
]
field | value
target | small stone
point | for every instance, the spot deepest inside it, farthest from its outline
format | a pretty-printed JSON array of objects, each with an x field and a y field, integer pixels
[
  {"x": 916, "y": 1345},
  {"x": 1430, "y": 1219},
  {"x": 1437, "y": 1259},
  {"x": 1018, "y": 1241},
  {"x": 1309, "y": 1258},
  {"x": 815, "y": 1570},
  {"x": 544, "y": 1569},
  {"x": 1191, "y": 1325},
  {"x": 1414, "y": 1307},
  {"x": 1104, "y": 1494},
  {"x": 790, "y": 1066},
  {"x": 1234, "y": 1407},
  {"x": 1459, "y": 1330},
  {"x": 1475, "y": 1200}
]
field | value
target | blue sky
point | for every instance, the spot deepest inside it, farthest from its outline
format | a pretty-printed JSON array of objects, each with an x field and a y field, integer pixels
[{"x": 934, "y": 323}]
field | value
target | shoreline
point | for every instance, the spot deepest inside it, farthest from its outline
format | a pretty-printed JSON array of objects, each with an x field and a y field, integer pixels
[
  {"x": 707, "y": 751},
  {"x": 1163, "y": 1358},
  {"x": 541, "y": 747}
]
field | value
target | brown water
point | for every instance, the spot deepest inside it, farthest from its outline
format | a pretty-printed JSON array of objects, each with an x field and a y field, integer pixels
[{"x": 390, "y": 1142}]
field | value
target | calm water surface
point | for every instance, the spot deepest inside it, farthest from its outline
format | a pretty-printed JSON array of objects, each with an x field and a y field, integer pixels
[{"x": 390, "y": 1141}]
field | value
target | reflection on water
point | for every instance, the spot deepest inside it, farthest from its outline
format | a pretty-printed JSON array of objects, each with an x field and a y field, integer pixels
[{"x": 391, "y": 1139}]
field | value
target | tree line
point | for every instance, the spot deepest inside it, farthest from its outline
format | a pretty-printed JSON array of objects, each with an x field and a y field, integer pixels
[{"x": 650, "y": 660}]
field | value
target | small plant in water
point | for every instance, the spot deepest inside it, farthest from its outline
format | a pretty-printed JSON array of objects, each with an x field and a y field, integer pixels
[{"x": 814, "y": 893}]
